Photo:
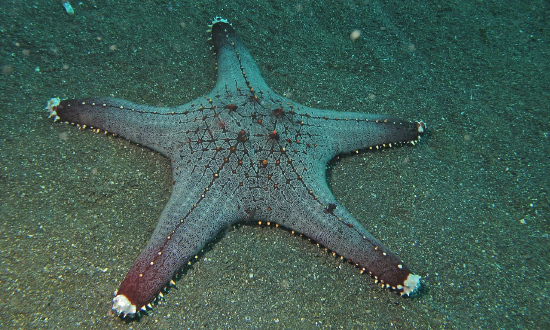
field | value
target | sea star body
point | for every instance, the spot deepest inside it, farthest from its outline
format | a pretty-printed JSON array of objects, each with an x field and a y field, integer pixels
[{"x": 243, "y": 153}]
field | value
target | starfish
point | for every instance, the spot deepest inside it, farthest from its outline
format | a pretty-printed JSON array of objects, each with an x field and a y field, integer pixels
[{"x": 243, "y": 153}]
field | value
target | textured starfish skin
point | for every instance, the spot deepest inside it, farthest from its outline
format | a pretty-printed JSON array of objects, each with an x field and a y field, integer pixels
[{"x": 243, "y": 153}]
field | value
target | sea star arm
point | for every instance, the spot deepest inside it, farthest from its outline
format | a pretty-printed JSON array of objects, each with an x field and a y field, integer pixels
[
  {"x": 236, "y": 67},
  {"x": 351, "y": 131},
  {"x": 181, "y": 233},
  {"x": 321, "y": 218},
  {"x": 142, "y": 124}
]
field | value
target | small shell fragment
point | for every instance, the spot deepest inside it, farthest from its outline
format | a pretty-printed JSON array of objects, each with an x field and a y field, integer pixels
[{"x": 68, "y": 8}]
